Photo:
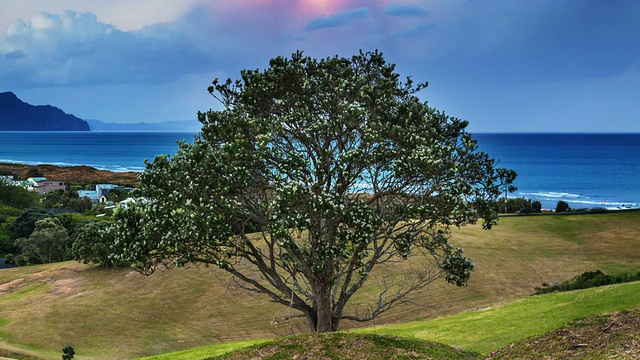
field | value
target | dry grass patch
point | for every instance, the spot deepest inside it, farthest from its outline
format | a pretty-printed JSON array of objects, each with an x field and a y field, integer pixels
[{"x": 607, "y": 336}]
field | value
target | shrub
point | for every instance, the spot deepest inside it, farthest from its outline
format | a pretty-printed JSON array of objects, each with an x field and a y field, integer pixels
[
  {"x": 68, "y": 353},
  {"x": 586, "y": 280}
]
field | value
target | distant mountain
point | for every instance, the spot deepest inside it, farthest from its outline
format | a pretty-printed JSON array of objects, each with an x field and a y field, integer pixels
[
  {"x": 166, "y": 126},
  {"x": 17, "y": 115}
]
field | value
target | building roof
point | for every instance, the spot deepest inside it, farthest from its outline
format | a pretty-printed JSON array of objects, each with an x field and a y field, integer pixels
[{"x": 37, "y": 179}]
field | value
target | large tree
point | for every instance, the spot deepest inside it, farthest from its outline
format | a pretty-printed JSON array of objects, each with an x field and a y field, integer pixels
[{"x": 314, "y": 173}]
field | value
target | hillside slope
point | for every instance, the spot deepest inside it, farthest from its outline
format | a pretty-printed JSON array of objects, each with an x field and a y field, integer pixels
[
  {"x": 17, "y": 115},
  {"x": 604, "y": 336},
  {"x": 115, "y": 314}
]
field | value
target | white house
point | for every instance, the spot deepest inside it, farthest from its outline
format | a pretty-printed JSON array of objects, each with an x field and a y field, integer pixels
[
  {"x": 99, "y": 192},
  {"x": 43, "y": 186}
]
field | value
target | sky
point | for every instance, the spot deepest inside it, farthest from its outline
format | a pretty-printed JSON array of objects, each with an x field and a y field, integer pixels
[{"x": 503, "y": 65}]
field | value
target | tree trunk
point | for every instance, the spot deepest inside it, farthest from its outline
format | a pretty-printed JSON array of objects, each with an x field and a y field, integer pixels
[{"x": 323, "y": 302}]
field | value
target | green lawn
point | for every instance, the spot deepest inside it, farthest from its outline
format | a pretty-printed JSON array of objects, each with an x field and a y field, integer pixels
[{"x": 488, "y": 330}]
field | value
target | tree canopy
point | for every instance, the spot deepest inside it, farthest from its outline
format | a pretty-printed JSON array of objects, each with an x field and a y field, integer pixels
[
  {"x": 16, "y": 196},
  {"x": 47, "y": 243},
  {"x": 316, "y": 173},
  {"x": 24, "y": 224},
  {"x": 92, "y": 244}
]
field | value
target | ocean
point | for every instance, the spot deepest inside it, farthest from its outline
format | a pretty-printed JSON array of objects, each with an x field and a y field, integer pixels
[
  {"x": 585, "y": 170},
  {"x": 115, "y": 151}
]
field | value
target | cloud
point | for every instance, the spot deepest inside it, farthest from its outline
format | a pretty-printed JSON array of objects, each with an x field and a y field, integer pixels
[
  {"x": 338, "y": 19},
  {"x": 71, "y": 48},
  {"x": 404, "y": 10},
  {"x": 14, "y": 55}
]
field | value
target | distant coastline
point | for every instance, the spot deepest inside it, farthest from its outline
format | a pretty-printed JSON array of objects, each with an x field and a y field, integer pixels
[
  {"x": 584, "y": 170},
  {"x": 73, "y": 174}
]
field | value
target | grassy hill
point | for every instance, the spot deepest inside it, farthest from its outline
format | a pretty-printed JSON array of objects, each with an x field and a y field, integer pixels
[
  {"x": 531, "y": 323},
  {"x": 115, "y": 314}
]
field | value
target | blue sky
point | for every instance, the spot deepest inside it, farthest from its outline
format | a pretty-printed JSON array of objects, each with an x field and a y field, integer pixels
[{"x": 506, "y": 66}]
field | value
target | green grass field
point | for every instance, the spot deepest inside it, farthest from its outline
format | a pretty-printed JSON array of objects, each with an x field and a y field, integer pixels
[
  {"x": 115, "y": 314},
  {"x": 487, "y": 330}
]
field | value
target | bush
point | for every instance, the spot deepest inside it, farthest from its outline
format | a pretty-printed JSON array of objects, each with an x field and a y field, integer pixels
[
  {"x": 587, "y": 280},
  {"x": 9, "y": 259},
  {"x": 68, "y": 353}
]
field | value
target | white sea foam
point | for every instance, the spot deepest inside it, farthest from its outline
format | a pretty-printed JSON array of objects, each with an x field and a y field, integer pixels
[
  {"x": 552, "y": 195},
  {"x": 114, "y": 168},
  {"x": 577, "y": 200}
]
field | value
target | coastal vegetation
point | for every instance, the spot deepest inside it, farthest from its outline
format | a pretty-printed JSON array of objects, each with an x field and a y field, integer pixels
[
  {"x": 22, "y": 212},
  {"x": 588, "y": 279}
]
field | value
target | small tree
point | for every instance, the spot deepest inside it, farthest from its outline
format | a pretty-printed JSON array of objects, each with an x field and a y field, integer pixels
[
  {"x": 562, "y": 206},
  {"x": 338, "y": 167},
  {"x": 48, "y": 242}
]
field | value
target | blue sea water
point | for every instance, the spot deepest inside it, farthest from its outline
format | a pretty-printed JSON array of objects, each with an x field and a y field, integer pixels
[
  {"x": 115, "y": 151},
  {"x": 585, "y": 170}
]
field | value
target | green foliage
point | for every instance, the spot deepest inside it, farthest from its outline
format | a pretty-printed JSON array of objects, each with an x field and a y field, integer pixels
[
  {"x": 16, "y": 196},
  {"x": 93, "y": 244},
  {"x": 67, "y": 199},
  {"x": 23, "y": 226},
  {"x": 7, "y": 211},
  {"x": 117, "y": 195},
  {"x": 338, "y": 166},
  {"x": 9, "y": 259},
  {"x": 562, "y": 206},
  {"x": 68, "y": 352},
  {"x": 6, "y": 244},
  {"x": 512, "y": 205},
  {"x": 587, "y": 280},
  {"x": 536, "y": 206},
  {"x": 47, "y": 243}
]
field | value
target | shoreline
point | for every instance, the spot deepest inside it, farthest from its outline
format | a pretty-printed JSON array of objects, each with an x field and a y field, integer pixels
[{"x": 71, "y": 174}]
